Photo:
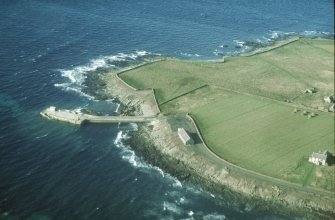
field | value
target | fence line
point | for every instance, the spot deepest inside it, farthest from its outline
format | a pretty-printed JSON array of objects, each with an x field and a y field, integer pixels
[
  {"x": 126, "y": 84},
  {"x": 186, "y": 93},
  {"x": 156, "y": 103}
]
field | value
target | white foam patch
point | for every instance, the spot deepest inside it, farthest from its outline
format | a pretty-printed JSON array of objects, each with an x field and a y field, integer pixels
[
  {"x": 310, "y": 33},
  {"x": 73, "y": 76},
  {"x": 42, "y": 136},
  {"x": 118, "y": 138},
  {"x": 75, "y": 89},
  {"x": 177, "y": 183},
  {"x": 124, "y": 57},
  {"x": 190, "y": 213},
  {"x": 273, "y": 34},
  {"x": 142, "y": 53},
  {"x": 239, "y": 43},
  {"x": 189, "y": 54},
  {"x": 171, "y": 207},
  {"x": 129, "y": 155},
  {"x": 76, "y": 76},
  {"x": 214, "y": 216}
]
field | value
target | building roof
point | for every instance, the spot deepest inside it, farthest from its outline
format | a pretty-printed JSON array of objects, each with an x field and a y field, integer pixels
[
  {"x": 322, "y": 155},
  {"x": 183, "y": 134}
]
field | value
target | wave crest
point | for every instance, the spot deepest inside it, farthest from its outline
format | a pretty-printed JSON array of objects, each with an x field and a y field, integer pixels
[{"x": 75, "y": 77}]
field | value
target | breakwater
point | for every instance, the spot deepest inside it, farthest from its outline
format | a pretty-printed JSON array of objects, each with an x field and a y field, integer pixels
[{"x": 76, "y": 117}]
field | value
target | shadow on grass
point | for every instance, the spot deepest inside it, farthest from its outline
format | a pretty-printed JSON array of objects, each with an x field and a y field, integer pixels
[
  {"x": 195, "y": 138},
  {"x": 331, "y": 160}
]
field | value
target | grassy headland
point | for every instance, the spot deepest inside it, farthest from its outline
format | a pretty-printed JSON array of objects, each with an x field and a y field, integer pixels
[{"x": 244, "y": 106}]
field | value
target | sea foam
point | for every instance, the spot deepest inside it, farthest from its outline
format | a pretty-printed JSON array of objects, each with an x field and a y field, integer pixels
[
  {"x": 130, "y": 156},
  {"x": 76, "y": 76}
]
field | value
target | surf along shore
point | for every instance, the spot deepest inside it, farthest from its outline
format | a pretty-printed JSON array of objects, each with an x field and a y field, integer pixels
[{"x": 179, "y": 92}]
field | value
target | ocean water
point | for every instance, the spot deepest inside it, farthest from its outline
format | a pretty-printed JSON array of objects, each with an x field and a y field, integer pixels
[{"x": 51, "y": 170}]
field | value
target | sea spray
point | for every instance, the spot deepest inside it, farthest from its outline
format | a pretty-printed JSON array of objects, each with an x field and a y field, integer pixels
[{"x": 80, "y": 77}]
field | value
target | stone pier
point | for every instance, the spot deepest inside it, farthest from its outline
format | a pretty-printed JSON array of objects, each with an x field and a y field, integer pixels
[{"x": 76, "y": 117}]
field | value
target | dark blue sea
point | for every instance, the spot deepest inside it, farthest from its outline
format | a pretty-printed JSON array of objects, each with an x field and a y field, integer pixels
[{"x": 52, "y": 170}]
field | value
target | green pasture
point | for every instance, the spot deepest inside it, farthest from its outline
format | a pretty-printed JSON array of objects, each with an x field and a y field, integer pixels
[
  {"x": 245, "y": 111},
  {"x": 280, "y": 74},
  {"x": 168, "y": 82},
  {"x": 264, "y": 135}
]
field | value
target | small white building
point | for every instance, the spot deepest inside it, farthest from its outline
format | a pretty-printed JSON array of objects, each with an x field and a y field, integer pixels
[
  {"x": 184, "y": 136},
  {"x": 329, "y": 99},
  {"x": 319, "y": 158}
]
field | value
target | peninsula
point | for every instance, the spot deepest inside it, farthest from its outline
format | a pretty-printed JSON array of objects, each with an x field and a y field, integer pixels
[
  {"x": 252, "y": 122},
  {"x": 254, "y": 126}
]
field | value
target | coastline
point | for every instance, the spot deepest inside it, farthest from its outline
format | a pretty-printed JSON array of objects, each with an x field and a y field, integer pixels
[
  {"x": 242, "y": 193},
  {"x": 159, "y": 145}
]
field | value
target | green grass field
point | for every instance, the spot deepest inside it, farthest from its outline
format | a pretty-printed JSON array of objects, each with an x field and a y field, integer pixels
[
  {"x": 242, "y": 113},
  {"x": 264, "y": 135}
]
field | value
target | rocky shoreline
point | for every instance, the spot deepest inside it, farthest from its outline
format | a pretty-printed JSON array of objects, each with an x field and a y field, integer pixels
[
  {"x": 142, "y": 144},
  {"x": 156, "y": 144}
]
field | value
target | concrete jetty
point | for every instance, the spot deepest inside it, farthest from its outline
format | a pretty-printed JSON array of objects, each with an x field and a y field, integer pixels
[{"x": 76, "y": 117}]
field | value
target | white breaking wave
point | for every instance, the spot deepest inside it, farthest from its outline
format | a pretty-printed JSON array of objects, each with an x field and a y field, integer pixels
[
  {"x": 214, "y": 216},
  {"x": 129, "y": 155},
  {"x": 190, "y": 213},
  {"x": 77, "y": 75},
  {"x": 274, "y": 35},
  {"x": 239, "y": 44},
  {"x": 75, "y": 89},
  {"x": 142, "y": 53},
  {"x": 310, "y": 33},
  {"x": 189, "y": 54},
  {"x": 42, "y": 136},
  {"x": 171, "y": 207}
]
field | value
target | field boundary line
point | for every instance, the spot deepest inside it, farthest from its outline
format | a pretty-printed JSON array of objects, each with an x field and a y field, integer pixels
[
  {"x": 126, "y": 84},
  {"x": 292, "y": 104},
  {"x": 153, "y": 92},
  {"x": 289, "y": 73},
  {"x": 133, "y": 68},
  {"x": 140, "y": 65},
  {"x": 269, "y": 48},
  {"x": 156, "y": 103},
  {"x": 318, "y": 48},
  {"x": 186, "y": 93}
]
